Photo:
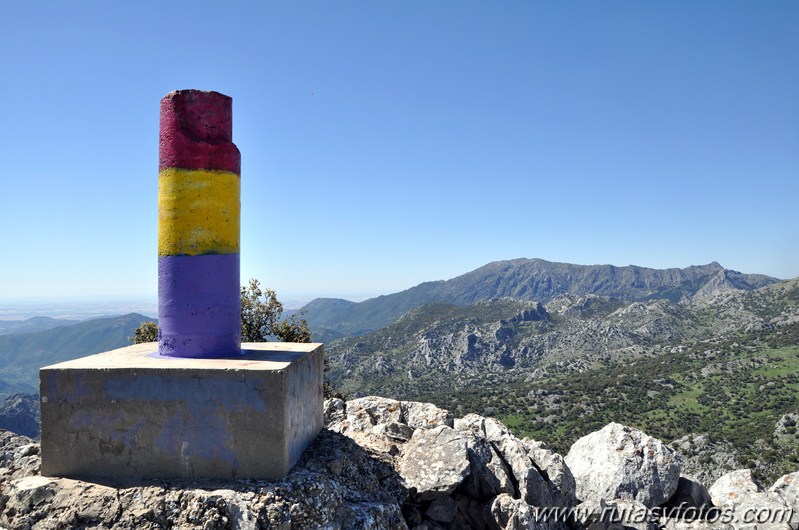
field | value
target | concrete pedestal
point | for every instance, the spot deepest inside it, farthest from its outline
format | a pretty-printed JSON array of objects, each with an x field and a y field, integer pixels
[{"x": 133, "y": 413}]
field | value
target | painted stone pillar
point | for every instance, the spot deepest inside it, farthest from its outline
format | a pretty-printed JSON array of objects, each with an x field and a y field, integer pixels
[{"x": 199, "y": 310}]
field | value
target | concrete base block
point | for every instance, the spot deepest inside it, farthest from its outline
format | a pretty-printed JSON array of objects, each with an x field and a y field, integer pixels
[{"x": 133, "y": 413}]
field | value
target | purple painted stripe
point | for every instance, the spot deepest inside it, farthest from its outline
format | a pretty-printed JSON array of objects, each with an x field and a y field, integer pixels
[
  {"x": 199, "y": 307},
  {"x": 196, "y": 132}
]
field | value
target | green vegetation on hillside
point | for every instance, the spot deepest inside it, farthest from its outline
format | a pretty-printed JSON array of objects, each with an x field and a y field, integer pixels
[
  {"x": 733, "y": 390},
  {"x": 21, "y": 355}
]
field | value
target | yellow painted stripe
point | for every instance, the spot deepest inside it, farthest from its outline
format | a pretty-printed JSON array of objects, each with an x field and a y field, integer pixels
[{"x": 199, "y": 212}]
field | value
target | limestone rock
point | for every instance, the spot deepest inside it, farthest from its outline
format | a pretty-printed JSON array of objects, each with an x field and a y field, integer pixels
[
  {"x": 442, "y": 510},
  {"x": 733, "y": 487},
  {"x": 387, "y": 464},
  {"x": 336, "y": 484},
  {"x": 787, "y": 487},
  {"x": 739, "y": 495},
  {"x": 489, "y": 475},
  {"x": 618, "y": 514},
  {"x": 19, "y": 413},
  {"x": 537, "y": 475},
  {"x": 512, "y": 514},
  {"x": 554, "y": 468},
  {"x": 434, "y": 462},
  {"x": 334, "y": 411},
  {"x": 426, "y": 415},
  {"x": 619, "y": 462},
  {"x": 534, "y": 489},
  {"x": 19, "y": 456},
  {"x": 364, "y": 413}
]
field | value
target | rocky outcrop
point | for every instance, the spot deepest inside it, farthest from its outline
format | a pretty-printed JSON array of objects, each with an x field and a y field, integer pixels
[
  {"x": 19, "y": 413},
  {"x": 336, "y": 484},
  {"x": 494, "y": 335},
  {"x": 434, "y": 462},
  {"x": 19, "y": 457},
  {"x": 618, "y": 462},
  {"x": 787, "y": 487},
  {"x": 380, "y": 464},
  {"x": 469, "y": 472},
  {"x": 386, "y": 464},
  {"x": 741, "y": 499},
  {"x": 703, "y": 458}
]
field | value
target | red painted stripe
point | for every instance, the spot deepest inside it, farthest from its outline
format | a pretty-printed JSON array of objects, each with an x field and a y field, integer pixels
[{"x": 196, "y": 132}]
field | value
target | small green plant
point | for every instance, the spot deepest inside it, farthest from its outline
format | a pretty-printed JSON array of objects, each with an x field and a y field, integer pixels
[
  {"x": 146, "y": 332},
  {"x": 260, "y": 319}
]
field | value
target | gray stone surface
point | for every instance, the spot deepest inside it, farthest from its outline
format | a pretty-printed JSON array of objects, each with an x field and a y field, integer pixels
[
  {"x": 704, "y": 459},
  {"x": 554, "y": 467},
  {"x": 525, "y": 469},
  {"x": 749, "y": 507},
  {"x": 417, "y": 414},
  {"x": 434, "y": 462},
  {"x": 367, "y": 412},
  {"x": 360, "y": 478},
  {"x": 489, "y": 475},
  {"x": 335, "y": 485},
  {"x": 19, "y": 413},
  {"x": 512, "y": 514},
  {"x": 619, "y": 462},
  {"x": 787, "y": 487},
  {"x": 133, "y": 413},
  {"x": 733, "y": 487}
]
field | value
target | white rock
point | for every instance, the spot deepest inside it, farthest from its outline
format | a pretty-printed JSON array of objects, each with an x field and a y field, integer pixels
[
  {"x": 619, "y": 462},
  {"x": 425, "y": 415},
  {"x": 366, "y": 412},
  {"x": 556, "y": 469},
  {"x": 787, "y": 487},
  {"x": 733, "y": 488},
  {"x": 737, "y": 493},
  {"x": 512, "y": 514},
  {"x": 434, "y": 461}
]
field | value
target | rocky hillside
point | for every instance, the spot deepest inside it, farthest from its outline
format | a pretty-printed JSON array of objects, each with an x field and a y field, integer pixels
[
  {"x": 508, "y": 336},
  {"x": 383, "y": 464},
  {"x": 19, "y": 413},
  {"x": 724, "y": 367},
  {"x": 532, "y": 280}
]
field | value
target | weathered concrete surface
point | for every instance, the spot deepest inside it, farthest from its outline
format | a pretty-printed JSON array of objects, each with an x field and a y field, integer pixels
[{"x": 134, "y": 413}]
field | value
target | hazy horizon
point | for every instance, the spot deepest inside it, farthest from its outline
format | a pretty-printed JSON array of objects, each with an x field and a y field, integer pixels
[{"x": 82, "y": 307}]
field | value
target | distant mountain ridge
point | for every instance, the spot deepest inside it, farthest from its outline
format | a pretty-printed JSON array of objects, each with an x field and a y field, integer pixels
[
  {"x": 450, "y": 347},
  {"x": 22, "y": 354},
  {"x": 33, "y": 324},
  {"x": 533, "y": 280}
]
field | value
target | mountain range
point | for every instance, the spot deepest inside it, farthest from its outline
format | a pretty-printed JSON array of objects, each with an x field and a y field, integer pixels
[
  {"x": 33, "y": 324},
  {"x": 716, "y": 356},
  {"x": 430, "y": 344},
  {"x": 527, "y": 279},
  {"x": 22, "y": 354}
]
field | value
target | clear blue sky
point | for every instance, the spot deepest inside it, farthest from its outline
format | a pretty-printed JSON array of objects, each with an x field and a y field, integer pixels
[{"x": 389, "y": 143}]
